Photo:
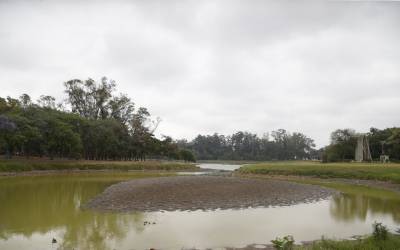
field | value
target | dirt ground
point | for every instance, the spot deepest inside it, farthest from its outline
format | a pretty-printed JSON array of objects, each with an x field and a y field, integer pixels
[{"x": 203, "y": 192}]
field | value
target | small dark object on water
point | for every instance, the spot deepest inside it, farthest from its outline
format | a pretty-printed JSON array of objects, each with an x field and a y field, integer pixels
[
  {"x": 54, "y": 241},
  {"x": 148, "y": 223}
]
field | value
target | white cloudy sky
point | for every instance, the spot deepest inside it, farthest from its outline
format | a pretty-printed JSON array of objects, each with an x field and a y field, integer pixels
[{"x": 216, "y": 66}]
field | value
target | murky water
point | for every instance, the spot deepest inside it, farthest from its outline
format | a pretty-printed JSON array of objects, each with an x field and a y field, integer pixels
[{"x": 34, "y": 210}]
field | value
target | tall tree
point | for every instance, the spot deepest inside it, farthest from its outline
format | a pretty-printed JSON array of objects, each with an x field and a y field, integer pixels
[
  {"x": 47, "y": 101},
  {"x": 6, "y": 129}
]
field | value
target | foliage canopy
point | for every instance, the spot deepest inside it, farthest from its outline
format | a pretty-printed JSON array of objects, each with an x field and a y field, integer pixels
[{"x": 94, "y": 123}]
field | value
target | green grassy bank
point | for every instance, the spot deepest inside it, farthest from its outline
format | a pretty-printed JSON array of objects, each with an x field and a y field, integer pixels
[
  {"x": 381, "y": 238},
  {"x": 17, "y": 165},
  {"x": 368, "y": 171},
  {"x": 369, "y": 243}
]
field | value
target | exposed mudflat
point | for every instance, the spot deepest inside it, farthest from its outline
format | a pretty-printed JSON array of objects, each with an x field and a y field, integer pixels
[{"x": 203, "y": 192}]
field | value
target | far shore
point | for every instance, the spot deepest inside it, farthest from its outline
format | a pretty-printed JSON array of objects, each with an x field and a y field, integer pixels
[
  {"x": 92, "y": 171},
  {"x": 34, "y": 166}
]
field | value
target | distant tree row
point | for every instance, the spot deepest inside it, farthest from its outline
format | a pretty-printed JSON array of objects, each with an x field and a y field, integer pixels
[
  {"x": 96, "y": 124},
  {"x": 344, "y": 141},
  {"x": 282, "y": 145},
  {"x": 247, "y": 146}
]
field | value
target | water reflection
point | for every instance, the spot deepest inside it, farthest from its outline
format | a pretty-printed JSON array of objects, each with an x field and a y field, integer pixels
[
  {"x": 33, "y": 210},
  {"x": 360, "y": 205},
  {"x": 31, "y": 205}
]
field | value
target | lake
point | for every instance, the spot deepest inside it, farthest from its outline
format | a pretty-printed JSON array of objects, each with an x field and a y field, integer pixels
[{"x": 36, "y": 209}]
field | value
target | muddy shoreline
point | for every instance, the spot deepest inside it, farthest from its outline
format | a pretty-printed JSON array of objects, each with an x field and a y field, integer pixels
[{"x": 205, "y": 193}]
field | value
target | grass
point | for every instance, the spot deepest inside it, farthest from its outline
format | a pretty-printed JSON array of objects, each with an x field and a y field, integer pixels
[
  {"x": 381, "y": 238},
  {"x": 347, "y": 188},
  {"x": 372, "y": 192},
  {"x": 368, "y": 243},
  {"x": 18, "y": 165},
  {"x": 367, "y": 171}
]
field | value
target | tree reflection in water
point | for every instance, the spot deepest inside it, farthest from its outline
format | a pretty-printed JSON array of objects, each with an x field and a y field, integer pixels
[
  {"x": 44, "y": 204},
  {"x": 357, "y": 202}
]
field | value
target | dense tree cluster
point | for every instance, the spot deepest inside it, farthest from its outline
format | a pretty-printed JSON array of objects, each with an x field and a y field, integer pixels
[
  {"x": 342, "y": 147},
  {"x": 98, "y": 125},
  {"x": 248, "y": 146},
  {"x": 344, "y": 141}
]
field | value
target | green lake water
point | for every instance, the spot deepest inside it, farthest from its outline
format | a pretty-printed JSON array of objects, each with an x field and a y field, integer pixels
[{"x": 34, "y": 210}]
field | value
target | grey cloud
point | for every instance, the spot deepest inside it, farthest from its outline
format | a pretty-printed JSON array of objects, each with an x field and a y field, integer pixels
[{"x": 216, "y": 66}]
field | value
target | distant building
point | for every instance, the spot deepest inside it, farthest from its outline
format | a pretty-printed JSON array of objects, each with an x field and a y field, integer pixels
[
  {"x": 363, "y": 153},
  {"x": 384, "y": 158}
]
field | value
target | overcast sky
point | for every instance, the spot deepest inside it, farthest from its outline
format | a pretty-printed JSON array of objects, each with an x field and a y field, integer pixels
[{"x": 216, "y": 66}]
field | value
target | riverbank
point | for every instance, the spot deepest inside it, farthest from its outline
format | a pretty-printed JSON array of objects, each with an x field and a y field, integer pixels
[
  {"x": 362, "y": 171},
  {"x": 392, "y": 242},
  {"x": 18, "y": 166}
]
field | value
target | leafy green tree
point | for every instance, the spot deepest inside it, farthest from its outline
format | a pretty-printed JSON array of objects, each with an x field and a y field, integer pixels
[
  {"x": 122, "y": 109},
  {"x": 88, "y": 98},
  {"x": 385, "y": 141},
  {"x": 6, "y": 129},
  {"x": 25, "y": 101},
  {"x": 342, "y": 147},
  {"x": 46, "y": 101},
  {"x": 99, "y": 126},
  {"x": 187, "y": 155},
  {"x": 62, "y": 141},
  {"x": 247, "y": 146}
]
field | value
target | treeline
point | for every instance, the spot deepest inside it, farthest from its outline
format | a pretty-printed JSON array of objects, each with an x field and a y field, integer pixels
[
  {"x": 381, "y": 142},
  {"x": 94, "y": 124},
  {"x": 278, "y": 145},
  {"x": 283, "y": 145}
]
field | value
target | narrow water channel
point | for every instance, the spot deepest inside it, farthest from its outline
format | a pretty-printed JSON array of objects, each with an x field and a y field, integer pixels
[
  {"x": 34, "y": 210},
  {"x": 218, "y": 166}
]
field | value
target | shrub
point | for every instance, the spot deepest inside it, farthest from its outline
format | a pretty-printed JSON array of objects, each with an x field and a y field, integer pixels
[
  {"x": 286, "y": 243},
  {"x": 380, "y": 232}
]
